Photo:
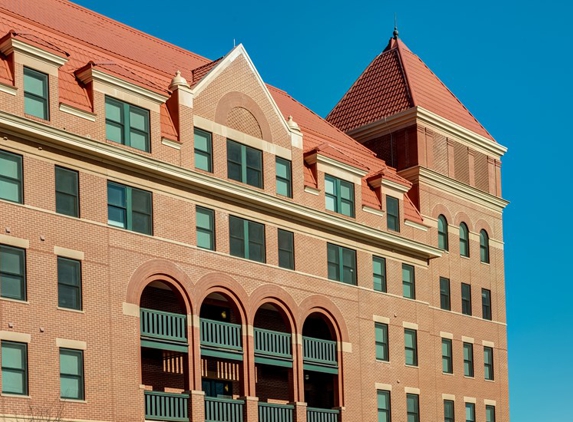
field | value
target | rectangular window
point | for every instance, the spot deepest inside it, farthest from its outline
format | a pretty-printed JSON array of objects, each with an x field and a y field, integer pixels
[
  {"x": 413, "y": 407},
  {"x": 341, "y": 264},
  {"x": 284, "y": 177},
  {"x": 411, "y": 347},
  {"x": 381, "y": 335},
  {"x": 449, "y": 414},
  {"x": 384, "y": 413},
  {"x": 392, "y": 213},
  {"x": 126, "y": 124},
  {"x": 408, "y": 281},
  {"x": 69, "y": 283},
  {"x": 445, "y": 298},
  {"x": 203, "y": 144},
  {"x": 470, "y": 412},
  {"x": 339, "y": 195},
  {"x": 468, "y": 359},
  {"x": 489, "y": 413},
  {"x": 286, "y": 249},
  {"x": 247, "y": 239},
  {"x": 447, "y": 361},
  {"x": 466, "y": 299},
  {"x": 14, "y": 368},
  {"x": 486, "y": 303},
  {"x": 12, "y": 273},
  {"x": 488, "y": 363},
  {"x": 129, "y": 208},
  {"x": 67, "y": 202},
  {"x": 71, "y": 374},
  {"x": 10, "y": 177},
  {"x": 36, "y": 94},
  {"x": 244, "y": 164},
  {"x": 379, "y": 273},
  {"x": 205, "y": 226}
]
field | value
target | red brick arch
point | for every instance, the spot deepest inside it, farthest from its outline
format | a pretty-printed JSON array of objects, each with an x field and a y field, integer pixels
[
  {"x": 237, "y": 99},
  {"x": 441, "y": 209},
  {"x": 462, "y": 217},
  {"x": 482, "y": 224},
  {"x": 278, "y": 297},
  {"x": 225, "y": 285},
  {"x": 329, "y": 310}
]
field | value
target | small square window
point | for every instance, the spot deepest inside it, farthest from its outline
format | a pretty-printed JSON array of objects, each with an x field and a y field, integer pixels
[
  {"x": 284, "y": 177},
  {"x": 14, "y": 368},
  {"x": 36, "y": 94},
  {"x": 127, "y": 124},
  {"x": 339, "y": 195},
  {"x": 10, "y": 177},
  {"x": 392, "y": 213},
  {"x": 445, "y": 298},
  {"x": 411, "y": 346},
  {"x": 379, "y": 273},
  {"x": 408, "y": 281},
  {"x": 341, "y": 264},
  {"x": 205, "y": 227},
  {"x": 244, "y": 164},
  {"x": 129, "y": 208},
  {"x": 71, "y": 374},
  {"x": 381, "y": 335},
  {"x": 286, "y": 249},
  {"x": 247, "y": 239},
  {"x": 67, "y": 202},
  {"x": 203, "y": 150},
  {"x": 12, "y": 273},
  {"x": 69, "y": 283}
]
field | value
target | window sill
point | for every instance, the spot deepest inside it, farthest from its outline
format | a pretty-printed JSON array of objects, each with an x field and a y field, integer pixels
[
  {"x": 7, "y": 299},
  {"x": 386, "y": 362},
  {"x": 449, "y": 374},
  {"x": 73, "y": 400},
  {"x": 411, "y": 366},
  {"x": 470, "y": 378},
  {"x": 77, "y": 311},
  {"x": 17, "y": 396}
]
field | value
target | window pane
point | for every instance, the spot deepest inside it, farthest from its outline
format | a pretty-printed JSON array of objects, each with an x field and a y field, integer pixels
[
  {"x": 113, "y": 111},
  {"x": 116, "y": 195},
  {"x": 379, "y": 273},
  {"x": 70, "y": 387},
  {"x": 141, "y": 223},
  {"x": 14, "y": 368},
  {"x": 34, "y": 83},
  {"x": 10, "y": 177},
  {"x": 114, "y": 132},
  {"x": 69, "y": 283},
  {"x": 286, "y": 249},
  {"x": 35, "y": 107},
  {"x": 138, "y": 118},
  {"x": 254, "y": 178},
  {"x": 205, "y": 228},
  {"x": 138, "y": 140},
  {"x": 141, "y": 201}
]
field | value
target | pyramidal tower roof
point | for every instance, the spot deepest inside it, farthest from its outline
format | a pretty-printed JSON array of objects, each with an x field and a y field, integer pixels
[{"x": 397, "y": 80}]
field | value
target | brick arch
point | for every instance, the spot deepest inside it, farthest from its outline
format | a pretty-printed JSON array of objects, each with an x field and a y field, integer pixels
[
  {"x": 462, "y": 217},
  {"x": 225, "y": 285},
  {"x": 236, "y": 99},
  {"x": 482, "y": 224},
  {"x": 278, "y": 297},
  {"x": 159, "y": 270},
  {"x": 442, "y": 209},
  {"x": 324, "y": 306}
]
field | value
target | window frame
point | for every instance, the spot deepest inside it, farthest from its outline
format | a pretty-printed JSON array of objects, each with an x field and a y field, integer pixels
[
  {"x": 486, "y": 304},
  {"x": 128, "y": 207},
  {"x": 208, "y": 231},
  {"x": 464, "y": 240},
  {"x": 443, "y": 238},
  {"x": 449, "y": 411},
  {"x": 381, "y": 341},
  {"x": 285, "y": 253},
  {"x": 379, "y": 277},
  {"x": 466, "y": 299},
  {"x": 384, "y": 413},
  {"x": 447, "y": 356},
  {"x": 75, "y": 195},
  {"x": 392, "y": 213},
  {"x": 80, "y": 376},
  {"x": 23, "y": 348},
  {"x": 413, "y": 414},
  {"x": 125, "y": 123},
  {"x": 489, "y": 413},
  {"x": 470, "y": 412},
  {"x": 336, "y": 196},
  {"x": 208, "y": 153},
  {"x": 408, "y": 284},
  {"x": 11, "y": 181},
  {"x": 283, "y": 180},
  {"x": 243, "y": 164},
  {"x": 484, "y": 246},
  {"x": 245, "y": 237},
  {"x": 468, "y": 349},
  {"x": 488, "y": 368},
  {"x": 44, "y": 99},
  {"x": 22, "y": 276},
  {"x": 77, "y": 286},
  {"x": 339, "y": 265},
  {"x": 413, "y": 348},
  {"x": 445, "y": 294}
]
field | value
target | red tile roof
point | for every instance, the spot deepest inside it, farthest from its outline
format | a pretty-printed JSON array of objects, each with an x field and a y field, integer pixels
[{"x": 395, "y": 81}]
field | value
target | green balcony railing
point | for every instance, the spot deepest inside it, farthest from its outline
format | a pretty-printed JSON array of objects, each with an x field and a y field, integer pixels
[
  {"x": 221, "y": 334},
  {"x": 269, "y": 412},
  {"x": 161, "y": 406},
  {"x": 223, "y": 410},
  {"x": 163, "y": 325},
  {"x": 322, "y": 352},
  {"x": 314, "y": 414},
  {"x": 273, "y": 344}
]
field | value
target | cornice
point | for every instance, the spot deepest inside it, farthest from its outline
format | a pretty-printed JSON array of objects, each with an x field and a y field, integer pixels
[
  {"x": 11, "y": 44},
  {"x": 323, "y": 159},
  {"x": 395, "y": 185},
  {"x": 38, "y": 132},
  {"x": 77, "y": 112}
]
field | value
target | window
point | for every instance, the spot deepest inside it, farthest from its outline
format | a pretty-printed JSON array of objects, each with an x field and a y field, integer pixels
[
  {"x": 379, "y": 273},
  {"x": 36, "y": 94},
  {"x": 449, "y": 414},
  {"x": 247, "y": 239},
  {"x": 381, "y": 335},
  {"x": 489, "y": 413},
  {"x": 488, "y": 363},
  {"x": 129, "y": 208},
  {"x": 69, "y": 283},
  {"x": 10, "y": 177},
  {"x": 468, "y": 359},
  {"x": 445, "y": 301},
  {"x": 384, "y": 414},
  {"x": 14, "y": 368},
  {"x": 413, "y": 407},
  {"x": 205, "y": 226},
  {"x": 203, "y": 150},
  {"x": 286, "y": 249},
  {"x": 447, "y": 362},
  {"x": 341, "y": 264},
  {"x": 411, "y": 347},
  {"x": 486, "y": 303},
  {"x": 339, "y": 195},
  {"x": 443, "y": 233},
  {"x": 284, "y": 177},
  {"x": 392, "y": 213},
  {"x": 470, "y": 412},
  {"x": 464, "y": 240},
  {"x": 466, "y": 299},
  {"x": 126, "y": 124},
  {"x": 484, "y": 246},
  {"x": 244, "y": 164},
  {"x": 408, "y": 281},
  {"x": 67, "y": 192},
  {"x": 71, "y": 374},
  {"x": 12, "y": 273}
]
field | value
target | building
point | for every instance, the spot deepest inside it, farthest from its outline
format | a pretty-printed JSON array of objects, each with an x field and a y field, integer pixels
[{"x": 180, "y": 241}]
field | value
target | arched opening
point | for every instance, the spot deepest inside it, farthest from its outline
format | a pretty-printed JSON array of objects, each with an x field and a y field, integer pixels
[
  {"x": 443, "y": 242},
  {"x": 484, "y": 246},
  {"x": 464, "y": 240}
]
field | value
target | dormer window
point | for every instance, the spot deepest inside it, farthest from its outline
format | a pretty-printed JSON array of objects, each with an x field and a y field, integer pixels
[
  {"x": 339, "y": 195},
  {"x": 126, "y": 124},
  {"x": 36, "y": 94},
  {"x": 244, "y": 164},
  {"x": 392, "y": 213}
]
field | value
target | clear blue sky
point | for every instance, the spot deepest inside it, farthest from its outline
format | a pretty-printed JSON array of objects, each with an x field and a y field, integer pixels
[{"x": 509, "y": 62}]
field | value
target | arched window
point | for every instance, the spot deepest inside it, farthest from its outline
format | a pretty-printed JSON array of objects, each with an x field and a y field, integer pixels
[
  {"x": 464, "y": 240},
  {"x": 443, "y": 233},
  {"x": 484, "y": 246}
]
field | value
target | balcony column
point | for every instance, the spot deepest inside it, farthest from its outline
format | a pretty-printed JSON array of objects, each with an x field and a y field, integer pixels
[
  {"x": 298, "y": 369},
  {"x": 342, "y": 415},
  {"x": 299, "y": 411},
  {"x": 251, "y": 409},
  {"x": 249, "y": 386},
  {"x": 196, "y": 406},
  {"x": 194, "y": 354}
]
